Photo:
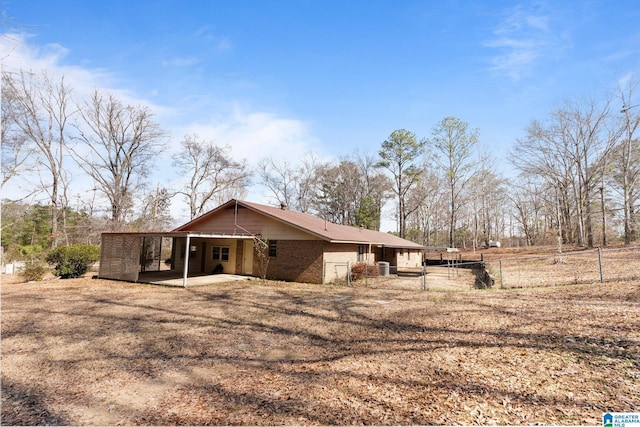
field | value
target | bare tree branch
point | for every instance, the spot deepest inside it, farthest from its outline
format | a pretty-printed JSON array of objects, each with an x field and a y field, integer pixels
[
  {"x": 117, "y": 146},
  {"x": 211, "y": 173}
]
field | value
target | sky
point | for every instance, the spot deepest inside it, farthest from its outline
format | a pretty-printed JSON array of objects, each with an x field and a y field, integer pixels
[{"x": 283, "y": 78}]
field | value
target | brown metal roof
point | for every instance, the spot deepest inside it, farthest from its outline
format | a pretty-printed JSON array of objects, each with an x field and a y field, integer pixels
[{"x": 312, "y": 224}]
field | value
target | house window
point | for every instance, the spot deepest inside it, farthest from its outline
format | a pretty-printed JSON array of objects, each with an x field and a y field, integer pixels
[
  {"x": 361, "y": 251},
  {"x": 220, "y": 253},
  {"x": 192, "y": 251},
  {"x": 273, "y": 246}
]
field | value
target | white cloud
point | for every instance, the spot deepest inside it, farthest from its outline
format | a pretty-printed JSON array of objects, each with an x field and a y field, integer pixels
[
  {"x": 626, "y": 79},
  {"x": 207, "y": 34},
  {"x": 522, "y": 39},
  {"x": 538, "y": 22},
  {"x": 17, "y": 54},
  {"x": 253, "y": 135},
  {"x": 224, "y": 44}
]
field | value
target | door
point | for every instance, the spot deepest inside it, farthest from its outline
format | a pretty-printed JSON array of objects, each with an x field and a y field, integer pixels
[
  {"x": 247, "y": 258},
  {"x": 203, "y": 255}
]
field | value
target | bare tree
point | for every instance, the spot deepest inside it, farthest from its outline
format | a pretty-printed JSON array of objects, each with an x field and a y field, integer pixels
[
  {"x": 488, "y": 196},
  {"x": 453, "y": 141},
  {"x": 292, "y": 185},
  {"x": 16, "y": 150},
  {"x": 261, "y": 259},
  {"x": 117, "y": 146},
  {"x": 279, "y": 178},
  {"x": 307, "y": 181},
  {"x": 627, "y": 160},
  {"x": 154, "y": 212},
  {"x": 350, "y": 191},
  {"x": 400, "y": 154},
  {"x": 543, "y": 154},
  {"x": 569, "y": 152},
  {"x": 95, "y": 219},
  {"x": 426, "y": 222},
  {"x": 211, "y": 173},
  {"x": 583, "y": 124},
  {"x": 529, "y": 206},
  {"x": 40, "y": 110},
  {"x": 340, "y": 193}
]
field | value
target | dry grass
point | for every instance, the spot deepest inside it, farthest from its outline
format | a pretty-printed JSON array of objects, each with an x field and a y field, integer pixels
[{"x": 95, "y": 352}]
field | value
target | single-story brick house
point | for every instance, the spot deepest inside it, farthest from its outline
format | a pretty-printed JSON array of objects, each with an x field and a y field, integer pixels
[{"x": 300, "y": 247}]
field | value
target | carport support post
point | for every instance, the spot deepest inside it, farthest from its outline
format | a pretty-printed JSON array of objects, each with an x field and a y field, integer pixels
[{"x": 186, "y": 261}]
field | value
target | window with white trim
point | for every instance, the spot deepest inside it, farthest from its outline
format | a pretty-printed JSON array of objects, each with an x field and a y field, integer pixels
[{"x": 220, "y": 253}]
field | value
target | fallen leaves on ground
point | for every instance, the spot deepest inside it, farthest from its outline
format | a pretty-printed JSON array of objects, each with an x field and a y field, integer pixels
[{"x": 96, "y": 352}]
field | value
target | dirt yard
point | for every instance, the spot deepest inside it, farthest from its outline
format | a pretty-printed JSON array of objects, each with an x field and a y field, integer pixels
[{"x": 96, "y": 352}]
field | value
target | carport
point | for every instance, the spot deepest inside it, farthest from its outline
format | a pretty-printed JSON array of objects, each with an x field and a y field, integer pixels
[{"x": 125, "y": 255}]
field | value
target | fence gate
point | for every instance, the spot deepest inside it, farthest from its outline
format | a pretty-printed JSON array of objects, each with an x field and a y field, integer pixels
[
  {"x": 337, "y": 272},
  {"x": 150, "y": 255}
]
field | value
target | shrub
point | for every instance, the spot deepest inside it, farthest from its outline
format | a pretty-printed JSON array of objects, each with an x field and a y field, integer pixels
[
  {"x": 33, "y": 271},
  {"x": 73, "y": 261},
  {"x": 359, "y": 268},
  {"x": 484, "y": 278},
  {"x": 31, "y": 252}
]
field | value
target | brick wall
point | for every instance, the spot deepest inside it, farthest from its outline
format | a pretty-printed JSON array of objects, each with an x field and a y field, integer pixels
[{"x": 297, "y": 261}]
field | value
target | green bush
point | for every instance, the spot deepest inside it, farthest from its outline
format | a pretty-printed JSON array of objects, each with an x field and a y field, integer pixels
[
  {"x": 31, "y": 252},
  {"x": 33, "y": 271},
  {"x": 73, "y": 261}
]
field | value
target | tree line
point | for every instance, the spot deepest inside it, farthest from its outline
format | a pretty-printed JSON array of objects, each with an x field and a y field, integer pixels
[{"x": 576, "y": 174}]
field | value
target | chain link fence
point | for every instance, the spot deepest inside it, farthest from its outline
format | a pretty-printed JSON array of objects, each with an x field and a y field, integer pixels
[
  {"x": 577, "y": 267},
  {"x": 586, "y": 266}
]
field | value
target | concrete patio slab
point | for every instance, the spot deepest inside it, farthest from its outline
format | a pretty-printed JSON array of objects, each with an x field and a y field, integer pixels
[{"x": 171, "y": 278}]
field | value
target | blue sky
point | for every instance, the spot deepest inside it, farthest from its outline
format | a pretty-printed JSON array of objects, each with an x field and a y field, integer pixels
[{"x": 282, "y": 78}]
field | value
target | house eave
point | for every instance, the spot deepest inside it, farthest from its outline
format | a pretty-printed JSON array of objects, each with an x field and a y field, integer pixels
[
  {"x": 190, "y": 234},
  {"x": 381, "y": 244}
]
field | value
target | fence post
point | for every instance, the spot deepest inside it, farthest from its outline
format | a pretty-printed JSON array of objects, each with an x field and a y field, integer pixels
[
  {"x": 600, "y": 265},
  {"x": 501, "y": 280},
  {"x": 366, "y": 274}
]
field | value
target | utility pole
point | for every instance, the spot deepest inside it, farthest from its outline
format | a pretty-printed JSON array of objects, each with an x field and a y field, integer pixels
[{"x": 628, "y": 208}]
